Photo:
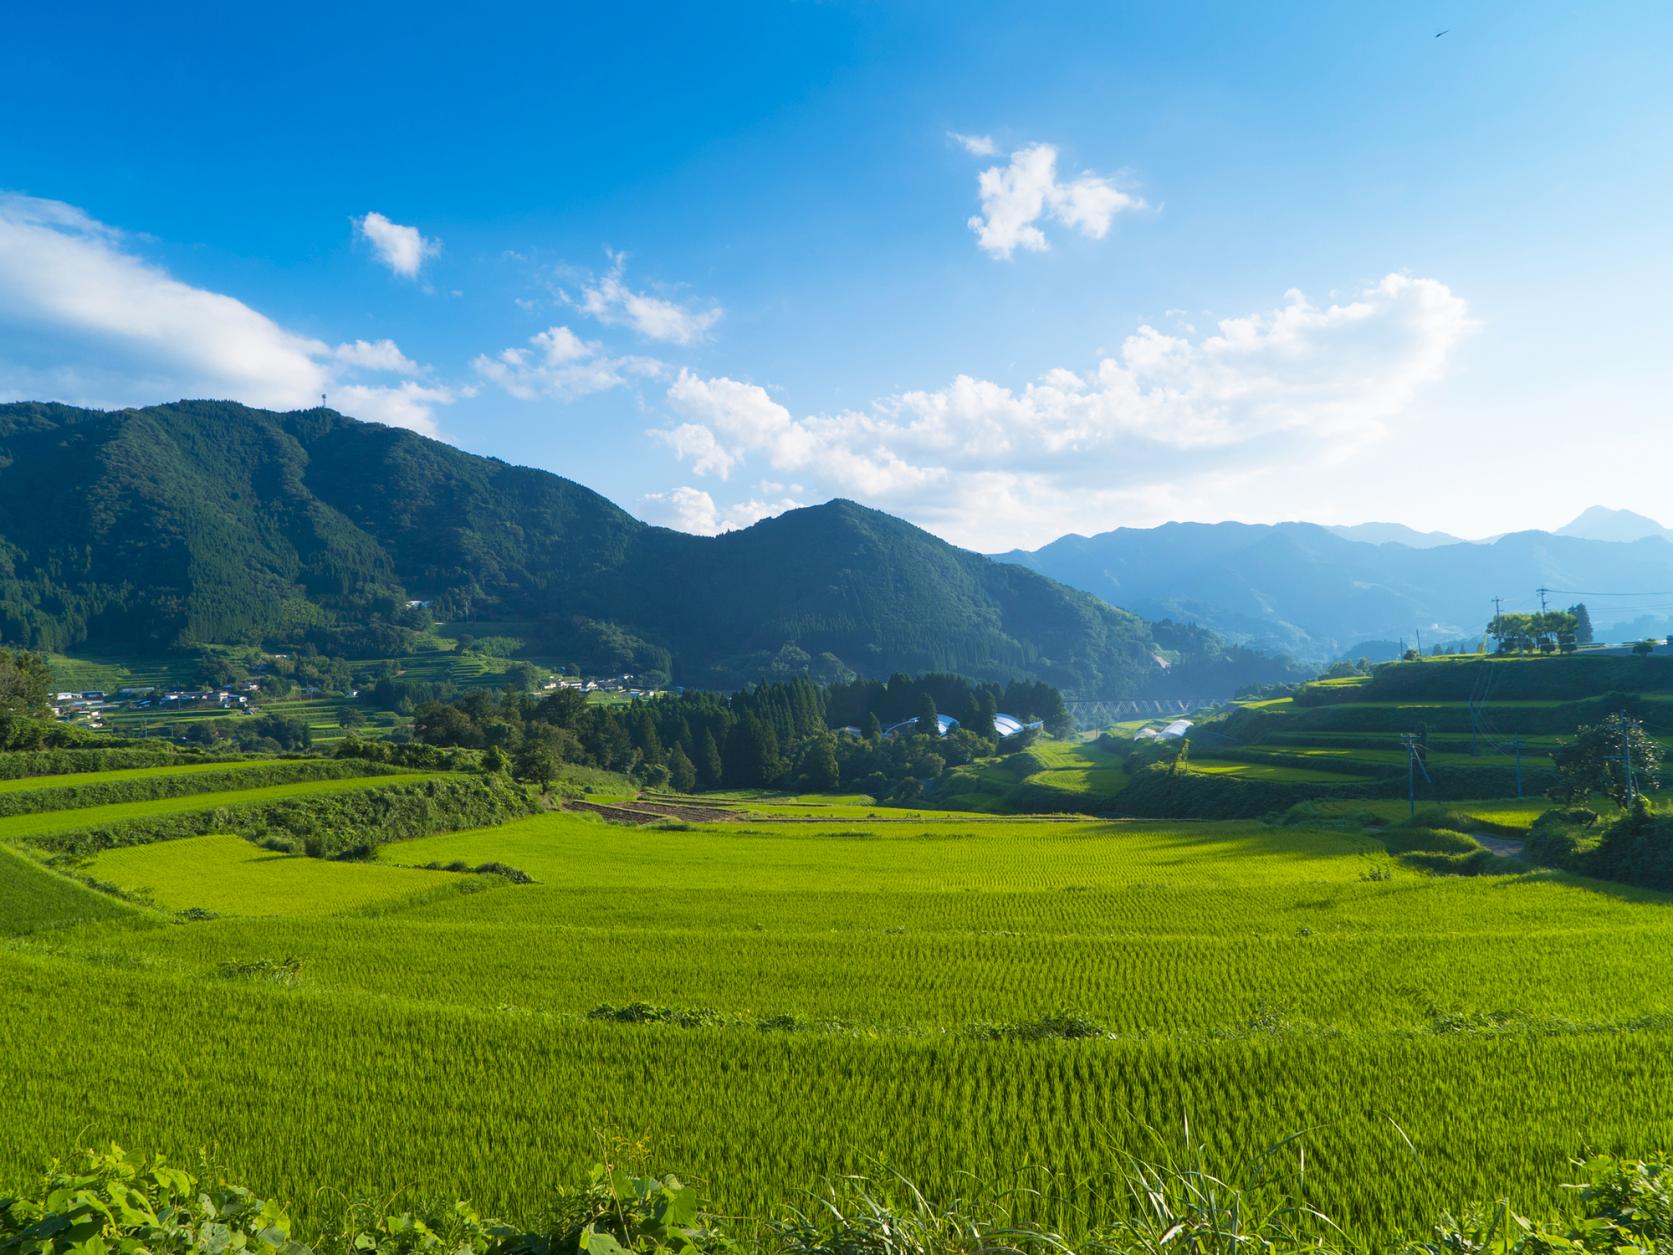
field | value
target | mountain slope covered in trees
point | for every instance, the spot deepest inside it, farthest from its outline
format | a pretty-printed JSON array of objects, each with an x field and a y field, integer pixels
[{"x": 208, "y": 522}]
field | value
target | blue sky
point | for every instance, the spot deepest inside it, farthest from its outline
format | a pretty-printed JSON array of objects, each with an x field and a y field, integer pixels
[{"x": 1008, "y": 271}]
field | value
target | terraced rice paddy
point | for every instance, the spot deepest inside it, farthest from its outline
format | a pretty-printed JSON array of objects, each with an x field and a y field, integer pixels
[
  {"x": 49, "y": 822},
  {"x": 228, "y": 875},
  {"x": 1488, "y": 727},
  {"x": 844, "y": 994}
]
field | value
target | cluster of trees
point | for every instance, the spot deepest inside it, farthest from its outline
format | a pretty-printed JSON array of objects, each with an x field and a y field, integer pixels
[
  {"x": 25, "y": 689},
  {"x": 769, "y": 735},
  {"x": 261, "y": 732},
  {"x": 1544, "y": 632},
  {"x": 1342, "y": 669},
  {"x": 1614, "y": 758},
  {"x": 25, "y": 685}
]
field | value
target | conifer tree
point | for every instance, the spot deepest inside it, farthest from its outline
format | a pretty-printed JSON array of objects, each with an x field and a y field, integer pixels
[
  {"x": 681, "y": 773},
  {"x": 709, "y": 770}
]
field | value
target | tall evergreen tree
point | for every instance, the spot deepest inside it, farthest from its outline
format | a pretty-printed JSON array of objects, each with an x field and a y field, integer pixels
[
  {"x": 1582, "y": 623},
  {"x": 928, "y": 717},
  {"x": 645, "y": 739},
  {"x": 681, "y": 773},
  {"x": 710, "y": 771}
]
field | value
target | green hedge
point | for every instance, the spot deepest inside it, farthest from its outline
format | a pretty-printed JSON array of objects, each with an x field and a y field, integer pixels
[
  {"x": 1280, "y": 756},
  {"x": 1160, "y": 793},
  {"x": 1501, "y": 679},
  {"x": 1558, "y": 717},
  {"x": 329, "y": 825},
  {"x": 154, "y": 788},
  {"x": 19, "y": 764}
]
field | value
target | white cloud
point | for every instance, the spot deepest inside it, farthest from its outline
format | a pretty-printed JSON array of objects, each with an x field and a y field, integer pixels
[
  {"x": 407, "y": 404},
  {"x": 376, "y": 355},
  {"x": 403, "y": 249},
  {"x": 91, "y": 322},
  {"x": 560, "y": 364},
  {"x": 975, "y": 145},
  {"x": 693, "y": 510},
  {"x": 1017, "y": 197},
  {"x": 698, "y": 445},
  {"x": 1295, "y": 386},
  {"x": 609, "y": 300}
]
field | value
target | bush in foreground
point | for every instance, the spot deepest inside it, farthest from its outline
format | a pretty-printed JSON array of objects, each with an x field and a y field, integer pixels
[{"x": 111, "y": 1203}]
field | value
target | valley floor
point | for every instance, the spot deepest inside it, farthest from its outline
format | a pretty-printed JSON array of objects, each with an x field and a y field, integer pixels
[{"x": 772, "y": 1003}]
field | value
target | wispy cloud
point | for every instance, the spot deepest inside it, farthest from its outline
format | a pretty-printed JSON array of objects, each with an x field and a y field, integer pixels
[
  {"x": 559, "y": 364},
  {"x": 403, "y": 249},
  {"x": 95, "y": 323},
  {"x": 1293, "y": 386},
  {"x": 975, "y": 145},
  {"x": 376, "y": 355},
  {"x": 1017, "y": 198},
  {"x": 610, "y": 301}
]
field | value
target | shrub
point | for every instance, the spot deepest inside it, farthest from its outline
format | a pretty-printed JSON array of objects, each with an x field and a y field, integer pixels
[
  {"x": 645, "y": 1013},
  {"x": 114, "y": 1202}
]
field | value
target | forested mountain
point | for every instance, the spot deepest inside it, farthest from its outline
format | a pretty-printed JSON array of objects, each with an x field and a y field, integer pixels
[
  {"x": 208, "y": 522},
  {"x": 1308, "y": 591}
]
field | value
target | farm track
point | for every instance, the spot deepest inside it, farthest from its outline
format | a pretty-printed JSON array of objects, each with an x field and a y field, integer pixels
[
  {"x": 1499, "y": 847},
  {"x": 655, "y": 812}
]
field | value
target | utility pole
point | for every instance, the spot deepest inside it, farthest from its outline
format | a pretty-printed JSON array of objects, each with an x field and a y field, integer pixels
[
  {"x": 1419, "y": 639},
  {"x": 1542, "y": 592},
  {"x": 1626, "y": 760},
  {"x": 1414, "y": 764}
]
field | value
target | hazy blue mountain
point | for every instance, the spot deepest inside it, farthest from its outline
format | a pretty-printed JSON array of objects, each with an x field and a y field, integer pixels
[
  {"x": 1393, "y": 534},
  {"x": 1600, "y": 523},
  {"x": 1305, "y": 589}
]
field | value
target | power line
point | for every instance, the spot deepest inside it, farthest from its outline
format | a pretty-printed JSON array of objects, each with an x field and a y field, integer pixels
[{"x": 1575, "y": 592}]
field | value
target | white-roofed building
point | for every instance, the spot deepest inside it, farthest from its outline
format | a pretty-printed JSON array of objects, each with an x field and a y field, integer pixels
[
  {"x": 906, "y": 727},
  {"x": 1010, "y": 725},
  {"x": 1177, "y": 730}
]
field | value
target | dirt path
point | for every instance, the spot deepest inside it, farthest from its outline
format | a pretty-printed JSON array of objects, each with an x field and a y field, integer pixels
[
  {"x": 1499, "y": 847},
  {"x": 641, "y": 811}
]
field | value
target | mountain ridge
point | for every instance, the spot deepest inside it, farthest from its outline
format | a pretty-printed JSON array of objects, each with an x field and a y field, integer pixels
[
  {"x": 1305, "y": 589},
  {"x": 209, "y": 522}
]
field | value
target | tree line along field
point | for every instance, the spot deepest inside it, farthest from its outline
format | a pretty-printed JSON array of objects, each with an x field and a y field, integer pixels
[{"x": 795, "y": 990}]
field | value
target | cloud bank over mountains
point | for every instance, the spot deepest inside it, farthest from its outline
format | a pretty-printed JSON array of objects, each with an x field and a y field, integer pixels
[
  {"x": 1160, "y": 424},
  {"x": 1164, "y": 417}
]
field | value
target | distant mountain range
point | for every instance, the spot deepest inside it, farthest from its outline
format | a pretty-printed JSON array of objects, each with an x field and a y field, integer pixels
[
  {"x": 1393, "y": 534},
  {"x": 146, "y": 530},
  {"x": 1599, "y": 523},
  {"x": 1323, "y": 592}
]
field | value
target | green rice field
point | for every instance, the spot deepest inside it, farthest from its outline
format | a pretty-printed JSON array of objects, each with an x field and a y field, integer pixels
[
  {"x": 230, "y": 876},
  {"x": 803, "y": 990}
]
